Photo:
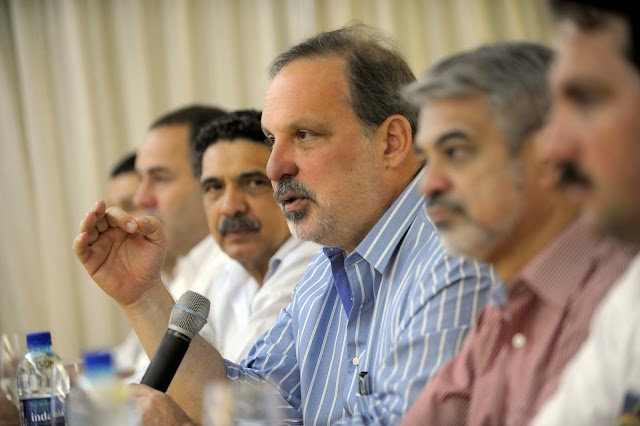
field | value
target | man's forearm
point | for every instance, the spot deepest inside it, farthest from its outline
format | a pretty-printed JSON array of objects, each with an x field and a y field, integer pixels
[{"x": 149, "y": 317}]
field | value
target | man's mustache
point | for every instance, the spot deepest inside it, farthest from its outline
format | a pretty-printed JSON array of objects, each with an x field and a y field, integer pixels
[
  {"x": 439, "y": 200},
  {"x": 569, "y": 174},
  {"x": 237, "y": 223},
  {"x": 291, "y": 185}
]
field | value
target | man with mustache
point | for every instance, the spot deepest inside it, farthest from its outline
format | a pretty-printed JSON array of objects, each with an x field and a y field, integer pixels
[
  {"x": 246, "y": 222},
  {"x": 482, "y": 113},
  {"x": 381, "y": 307},
  {"x": 596, "y": 137}
]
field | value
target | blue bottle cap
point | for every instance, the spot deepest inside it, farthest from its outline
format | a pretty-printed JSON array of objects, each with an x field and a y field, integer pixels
[
  {"x": 98, "y": 362},
  {"x": 39, "y": 339}
]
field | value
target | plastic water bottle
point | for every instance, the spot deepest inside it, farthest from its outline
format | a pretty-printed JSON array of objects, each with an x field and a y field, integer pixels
[
  {"x": 100, "y": 398},
  {"x": 34, "y": 382}
]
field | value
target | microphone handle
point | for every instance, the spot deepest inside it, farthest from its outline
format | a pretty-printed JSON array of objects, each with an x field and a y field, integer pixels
[{"x": 165, "y": 362}]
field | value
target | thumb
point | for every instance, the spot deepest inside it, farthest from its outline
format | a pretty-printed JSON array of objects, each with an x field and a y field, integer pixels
[{"x": 150, "y": 227}]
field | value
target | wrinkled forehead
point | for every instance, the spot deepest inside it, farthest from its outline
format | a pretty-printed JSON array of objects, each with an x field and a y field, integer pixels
[
  {"x": 310, "y": 85},
  {"x": 235, "y": 158},
  {"x": 469, "y": 114}
]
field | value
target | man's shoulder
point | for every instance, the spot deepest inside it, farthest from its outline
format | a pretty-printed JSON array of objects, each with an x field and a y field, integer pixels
[
  {"x": 421, "y": 250},
  {"x": 426, "y": 264},
  {"x": 438, "y": 269}
]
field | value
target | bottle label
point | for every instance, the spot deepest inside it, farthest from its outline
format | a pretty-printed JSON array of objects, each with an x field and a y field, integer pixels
[{"x": 37, "y": 412}]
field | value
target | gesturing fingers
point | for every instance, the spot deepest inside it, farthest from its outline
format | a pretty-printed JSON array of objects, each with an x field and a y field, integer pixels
[
  {"x": 92, "y": 236},
  {"x": 118, "y": 218},
  {"x": 102, "y": 225},
  {"x": 80, "y": 247},
  {"x": 88, "y": 223}
]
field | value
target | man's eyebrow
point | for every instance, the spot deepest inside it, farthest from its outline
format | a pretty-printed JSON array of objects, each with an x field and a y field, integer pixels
[
  {"x": 208, "y": 180},
  {"x": 302, "y": 123},
  {"x": 452, "y": 134},
  {"x": 579, "y": 85},
  {"x": 155, "y": 170},
  {"x": 253, "y": 174}
]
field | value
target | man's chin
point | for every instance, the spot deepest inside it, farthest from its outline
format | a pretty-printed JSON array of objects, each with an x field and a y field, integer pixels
[
  {"x": 453, "y": 244},
  {"x": 296, "y": 228},
  {"x": 296, "y": 217},
  {"x": 610, "y": 224},
  {"x": 468, "y": 244},
  {"x": 315, "y": 231}
]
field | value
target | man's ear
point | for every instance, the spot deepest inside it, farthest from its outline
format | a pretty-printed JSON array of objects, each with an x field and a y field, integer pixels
[{"x": 398, "y": 139}]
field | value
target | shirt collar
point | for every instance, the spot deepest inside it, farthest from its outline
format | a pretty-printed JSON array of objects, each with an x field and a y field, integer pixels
[{"x": 285, "y": 248}]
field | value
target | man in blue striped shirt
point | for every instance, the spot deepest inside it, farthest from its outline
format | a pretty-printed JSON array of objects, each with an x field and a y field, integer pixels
[{"x": 382, "y": 306}]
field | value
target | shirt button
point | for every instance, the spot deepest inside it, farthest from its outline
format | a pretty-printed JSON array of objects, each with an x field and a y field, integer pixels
[
  {"x": 518, "y": 341},
  {"x": 355, "y": 361}
]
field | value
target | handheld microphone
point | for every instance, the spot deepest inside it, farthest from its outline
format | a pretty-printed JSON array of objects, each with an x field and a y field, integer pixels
[{"x": 188, "y": 316}]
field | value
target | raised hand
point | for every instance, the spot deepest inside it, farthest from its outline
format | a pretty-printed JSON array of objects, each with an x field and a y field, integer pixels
[{"x": 123, "y": 254}]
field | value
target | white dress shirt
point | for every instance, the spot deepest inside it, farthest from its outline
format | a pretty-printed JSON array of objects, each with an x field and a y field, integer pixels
[
  {"x": 601, "y": 384},
  {"x": 250, "y": 309}
]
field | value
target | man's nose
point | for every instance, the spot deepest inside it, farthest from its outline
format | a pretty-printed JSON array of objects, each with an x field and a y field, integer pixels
[
  {"x": 144, "y": 196},
  {"x": 233, "y": 202},
  {"x": 434, "y": 181},
  {"x": 281, "y": 162}
]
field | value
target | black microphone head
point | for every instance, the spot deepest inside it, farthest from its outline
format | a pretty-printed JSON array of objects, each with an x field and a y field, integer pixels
[{"x": 189, "y": 314}]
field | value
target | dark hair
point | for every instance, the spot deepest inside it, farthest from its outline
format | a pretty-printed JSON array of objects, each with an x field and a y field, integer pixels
[
  {"x": 192, "y": 116},
  {"x": 513, "y": 76},
  {"x": 375, "y": 71},
  {"x": 591, "y": 15},
  {"x": 125, "y": 165},
  {"x": 243, "y": 124}
]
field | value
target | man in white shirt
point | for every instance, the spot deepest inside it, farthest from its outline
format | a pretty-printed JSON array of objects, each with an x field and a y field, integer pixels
[
  {"x": 246, "y": 221},
  {"x": 168, "y": 188},
  {"x": 595, "y": 141}
]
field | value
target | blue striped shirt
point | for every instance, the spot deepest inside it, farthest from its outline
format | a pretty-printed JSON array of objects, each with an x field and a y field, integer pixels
[{"x": 412, "y": 307}]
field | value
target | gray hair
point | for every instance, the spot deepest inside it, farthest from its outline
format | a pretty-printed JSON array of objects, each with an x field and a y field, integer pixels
[
  {"x": 375, "y": 70},
  {"x": 513, "y": 75}
]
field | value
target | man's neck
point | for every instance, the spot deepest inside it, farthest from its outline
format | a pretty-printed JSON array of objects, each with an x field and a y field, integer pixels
[
  {"x": 394, "y": 188},
  {"x": 258, "y": 268},
  {"x": 510, "y": 261}
]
